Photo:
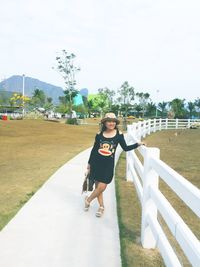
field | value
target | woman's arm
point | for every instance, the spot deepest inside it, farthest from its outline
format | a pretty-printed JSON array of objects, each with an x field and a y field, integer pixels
[
  {"x": 126, "y": 147},
  {"x": 95, "y": 146}
]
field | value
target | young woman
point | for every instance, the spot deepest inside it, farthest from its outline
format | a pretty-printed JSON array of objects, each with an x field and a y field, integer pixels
[{"x": 101, "y": 161}]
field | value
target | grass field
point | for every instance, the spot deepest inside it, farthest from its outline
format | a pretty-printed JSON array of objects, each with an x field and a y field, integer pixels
[
  {"x": 179, "y": 149},
  {"x": 32, "y": 150}
]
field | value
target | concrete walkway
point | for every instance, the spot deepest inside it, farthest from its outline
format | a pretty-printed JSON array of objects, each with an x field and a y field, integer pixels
[{"x": 52, "y": 230}]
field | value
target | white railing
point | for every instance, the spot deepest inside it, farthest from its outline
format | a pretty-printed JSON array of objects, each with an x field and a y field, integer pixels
[{"x": 146, "y": 177}]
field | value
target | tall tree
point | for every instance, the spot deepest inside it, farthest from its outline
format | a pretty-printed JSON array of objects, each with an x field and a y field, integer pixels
[
  {"x": 39, "y": 98},
  {"x": 138, "y": 109},
  {"x": 162, "y": 106},
  {"x": 66, "y": 67},
  {"x": 150, "y": 109},
  {"x": 191, "y": 108},
  {"x": 126, "y": 95},
  {"x": 178, "y": 107},
  {"x": 197, "y": 104},
  {"x": 109, "y": 94},
  {"x": 90, "y": 106},
  {"x": 143, "y": 100}
]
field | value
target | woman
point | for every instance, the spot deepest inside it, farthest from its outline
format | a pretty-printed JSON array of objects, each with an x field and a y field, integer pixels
[{"x": 101, "y": 161}]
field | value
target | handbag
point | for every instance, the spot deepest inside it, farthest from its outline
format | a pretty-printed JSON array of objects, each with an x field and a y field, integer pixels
[{"x": 88, "y": 184}]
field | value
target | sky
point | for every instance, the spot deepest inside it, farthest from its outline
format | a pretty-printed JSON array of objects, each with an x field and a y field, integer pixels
[{"x": 152, "y": 44}]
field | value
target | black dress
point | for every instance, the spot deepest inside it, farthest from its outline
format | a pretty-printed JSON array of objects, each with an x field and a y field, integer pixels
[{"x": 102, "y": 156}]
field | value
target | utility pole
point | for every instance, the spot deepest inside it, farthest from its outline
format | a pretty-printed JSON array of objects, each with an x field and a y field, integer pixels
[
  {"x": 157, "y": 91},
  {"x": 23, "y": 85}
]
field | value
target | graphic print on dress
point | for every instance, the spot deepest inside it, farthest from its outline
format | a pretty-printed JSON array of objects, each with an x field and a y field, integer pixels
[{"x": 106, "y": 148}]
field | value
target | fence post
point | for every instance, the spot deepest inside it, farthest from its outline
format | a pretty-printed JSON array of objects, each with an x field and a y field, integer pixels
[
  {"x": 149, "y": 126},
  {"x": 139, "y": 130},
  {"x": 166, "y": 123},
  {"x": 144, "y": 129},
  {"x": 160, "y": 124},
  {"x": 176, "y": 123},
  {"x": 150, "y": 178},
  {"x": 188, "y": 126},
  {"x": 128, "y": 173},
  {"x": 154, "y": 125}
]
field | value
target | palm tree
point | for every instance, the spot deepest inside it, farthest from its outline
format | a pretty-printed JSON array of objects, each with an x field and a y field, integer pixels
[
  {"x": 191, "y": 108},
  {"x": 38, "y": 98},
  {"x": 197, "y": 104},
  {"x": 127, "y": 94},
  {"x": 150, "y": 108},
  {"x": 162, "y": 106},
  {"x": 138, "y": 109},
  {"x": 143, "y": 99}
]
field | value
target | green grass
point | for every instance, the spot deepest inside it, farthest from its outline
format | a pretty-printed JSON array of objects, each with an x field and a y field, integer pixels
[
  {"x": 129, "y": 217},
  {"x": 180, "y": 150},
  {"x": 30, "y": 152}
]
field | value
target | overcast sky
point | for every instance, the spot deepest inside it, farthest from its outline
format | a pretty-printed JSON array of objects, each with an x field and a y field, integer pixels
[{"x": 153, "y": 44}]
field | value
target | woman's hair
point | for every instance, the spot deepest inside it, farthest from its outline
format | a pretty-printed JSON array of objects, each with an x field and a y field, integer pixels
[{"x": 103, "y": 127}]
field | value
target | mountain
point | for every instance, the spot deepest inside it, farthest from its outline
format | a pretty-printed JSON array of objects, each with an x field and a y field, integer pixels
[
  {"x": 15, "y": 83},
  {"x": 84, "y": 92}
]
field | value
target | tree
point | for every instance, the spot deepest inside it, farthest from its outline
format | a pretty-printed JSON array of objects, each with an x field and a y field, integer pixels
[
  {"x": 39, "y": 98},
  {"x": 49, "y": 100},
  {"x": 4, "y": 98},
  {"x": 127, "y": 94},
  {"x": 138, "y": 109},
  {"x": 109, "y": 95},
  {"x": 19, "y": 100},
  {"x": 143, "y": 100},
  {"x": 89, "y": 104},
  {"x": 191, "y": 108},
  {"x": 63, "y": 107},
  {"x": 150, "y": 108},
  {"x": 197, "y": 104},
  {"x": 178, "y": 107},
  {"x": 49, "y": 105},
  {"x": 162, "y": 106},
  {"x": 67, "y": 69}
]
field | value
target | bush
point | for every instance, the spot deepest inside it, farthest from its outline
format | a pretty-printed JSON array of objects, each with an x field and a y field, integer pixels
[{"x": 71, "y": 121}]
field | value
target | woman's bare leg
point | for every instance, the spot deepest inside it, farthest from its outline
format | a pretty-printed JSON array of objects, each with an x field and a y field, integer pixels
[
  {"x": 98, "y": 193},
  {"x": 100, "y": 197},
  {"x": 100, "y": 200}
]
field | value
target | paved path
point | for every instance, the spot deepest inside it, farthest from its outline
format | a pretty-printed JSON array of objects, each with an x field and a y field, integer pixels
[{"x": 52, "y": 230}]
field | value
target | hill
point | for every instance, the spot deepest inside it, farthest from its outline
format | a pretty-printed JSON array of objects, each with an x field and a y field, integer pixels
[{"x": 14, "y": 84}]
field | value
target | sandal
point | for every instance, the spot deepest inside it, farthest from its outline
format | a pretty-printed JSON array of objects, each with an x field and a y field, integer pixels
[
  {"x": 100, "y": 212},
  {"x": 87, "y": 204}
]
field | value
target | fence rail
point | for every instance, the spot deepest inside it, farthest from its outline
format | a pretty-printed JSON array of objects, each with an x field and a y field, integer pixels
[{"x": 146, "y": 178}]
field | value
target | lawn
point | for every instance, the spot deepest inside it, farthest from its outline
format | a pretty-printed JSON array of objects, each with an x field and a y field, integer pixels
[
  {"x": 180, "y": 150},
  {"x": 30, "y": 152}
]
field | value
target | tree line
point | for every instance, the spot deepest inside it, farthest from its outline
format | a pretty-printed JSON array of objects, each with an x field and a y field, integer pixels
[{"x": 124, "y": 101}]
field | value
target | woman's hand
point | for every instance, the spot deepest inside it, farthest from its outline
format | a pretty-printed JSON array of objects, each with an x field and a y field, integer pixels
[
  {"x": 87, "y": 170},
  {"x": 141, "y": 144}
]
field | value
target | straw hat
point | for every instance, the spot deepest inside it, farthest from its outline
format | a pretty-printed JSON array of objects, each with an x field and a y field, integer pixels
[{"x": 110, "y": 117}]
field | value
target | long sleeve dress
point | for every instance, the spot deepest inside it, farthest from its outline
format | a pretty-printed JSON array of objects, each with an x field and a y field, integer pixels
[{"x": 102, "y": 156}]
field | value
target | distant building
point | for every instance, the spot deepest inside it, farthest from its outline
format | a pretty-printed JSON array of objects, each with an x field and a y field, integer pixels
[{"x": 78, "y": 99}]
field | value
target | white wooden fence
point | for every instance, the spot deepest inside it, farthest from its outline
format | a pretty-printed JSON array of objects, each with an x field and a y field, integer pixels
[{"x": 146, "y": 178}]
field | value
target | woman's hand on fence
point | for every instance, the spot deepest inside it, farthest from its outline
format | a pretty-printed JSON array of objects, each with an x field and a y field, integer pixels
[{"x": 141, "y": 144}]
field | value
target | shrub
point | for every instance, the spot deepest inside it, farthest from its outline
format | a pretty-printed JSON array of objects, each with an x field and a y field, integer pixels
[{"x": 71, "y": 121}]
